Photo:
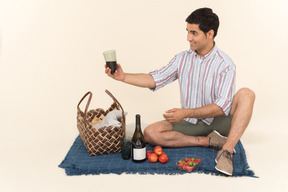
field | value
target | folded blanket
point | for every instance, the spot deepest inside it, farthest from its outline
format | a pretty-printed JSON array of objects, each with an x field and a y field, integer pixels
[{"x": 78, "y": 162}]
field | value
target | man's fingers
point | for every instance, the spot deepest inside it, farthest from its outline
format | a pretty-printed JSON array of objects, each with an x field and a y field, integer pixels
[
  {"x": 109, "y": 72},
  {"x": 169, "y": 118},
  {"x": 169, "y": 111}
]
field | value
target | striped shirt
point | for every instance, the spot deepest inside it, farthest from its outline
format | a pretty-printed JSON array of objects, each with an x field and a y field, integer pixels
[{"x": 202, "y": 80}]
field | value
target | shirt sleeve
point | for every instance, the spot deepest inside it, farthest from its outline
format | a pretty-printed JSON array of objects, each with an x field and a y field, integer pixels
[
  {"x": 165, "y": 75},
  {"x": 225, "y": 88}
]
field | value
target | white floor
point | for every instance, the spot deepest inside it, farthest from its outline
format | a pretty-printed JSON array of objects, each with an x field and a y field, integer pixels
[{"x": 30, "y": 163}]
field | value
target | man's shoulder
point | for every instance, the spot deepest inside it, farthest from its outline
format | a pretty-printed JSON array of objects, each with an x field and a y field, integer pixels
[
  {"x": 185, "y": 52},
  {"x": 180, "y": 55},
  {"x": 224, "y": 58}
]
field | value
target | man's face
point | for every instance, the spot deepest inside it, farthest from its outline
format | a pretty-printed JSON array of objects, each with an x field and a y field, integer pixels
[{"x": 197, "y": 38}]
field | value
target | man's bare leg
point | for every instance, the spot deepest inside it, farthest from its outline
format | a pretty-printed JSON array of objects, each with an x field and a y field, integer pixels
[
  {"x": 242, "y": 107},
  {"x": 160, "y": 133}
]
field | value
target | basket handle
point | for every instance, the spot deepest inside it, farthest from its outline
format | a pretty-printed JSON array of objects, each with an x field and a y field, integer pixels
[
  {"x": 110, "y": 94},
  {"x": 88, "y": 102},
  {"x": 90, "y": 98}
]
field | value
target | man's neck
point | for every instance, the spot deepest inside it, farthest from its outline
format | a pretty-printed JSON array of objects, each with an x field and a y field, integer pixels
[{"x": 207, "y": 49}]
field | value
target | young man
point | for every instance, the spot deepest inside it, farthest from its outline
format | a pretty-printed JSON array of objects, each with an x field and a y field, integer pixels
[{"x": 211, "y": 110}]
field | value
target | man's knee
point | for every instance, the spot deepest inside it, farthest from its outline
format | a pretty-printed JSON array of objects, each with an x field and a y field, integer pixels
[
  {"x": 148, "y": 134},
  {"x": 246, "y": 93},
  {"x": 153, "y": 131}
]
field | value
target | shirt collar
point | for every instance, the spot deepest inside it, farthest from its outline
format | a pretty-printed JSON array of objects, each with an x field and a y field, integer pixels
[{"x": 208, "y": 55}]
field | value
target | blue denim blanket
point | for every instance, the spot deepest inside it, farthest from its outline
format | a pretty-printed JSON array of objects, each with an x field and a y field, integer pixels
[{"x": 78, "y": 162}]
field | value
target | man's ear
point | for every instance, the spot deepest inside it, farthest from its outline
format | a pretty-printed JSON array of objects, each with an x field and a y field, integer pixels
[{"x": 210, "y": 34}]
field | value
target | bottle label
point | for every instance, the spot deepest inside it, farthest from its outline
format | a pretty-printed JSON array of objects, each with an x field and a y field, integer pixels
[{"x": 139, "y": 154}]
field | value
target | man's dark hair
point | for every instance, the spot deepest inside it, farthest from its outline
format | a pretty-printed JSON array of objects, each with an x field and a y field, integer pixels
[{"x": 206, "y": 19}]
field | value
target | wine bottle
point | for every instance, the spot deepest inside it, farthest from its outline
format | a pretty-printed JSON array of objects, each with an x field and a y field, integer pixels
[{"x": 138, "y": 143}]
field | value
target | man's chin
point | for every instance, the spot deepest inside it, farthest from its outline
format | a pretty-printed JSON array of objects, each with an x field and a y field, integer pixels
[{"x": 192, "y": 48}]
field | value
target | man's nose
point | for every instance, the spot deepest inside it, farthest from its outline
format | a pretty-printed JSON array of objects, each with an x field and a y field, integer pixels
[{"x": 189, "y": 37}]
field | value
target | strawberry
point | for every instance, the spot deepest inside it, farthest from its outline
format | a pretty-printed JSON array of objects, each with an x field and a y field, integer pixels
[{"x": 198, "y": 160}]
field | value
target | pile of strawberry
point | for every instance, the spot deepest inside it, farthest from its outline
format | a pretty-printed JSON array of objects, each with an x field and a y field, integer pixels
[{"x": 188, "y": 164}]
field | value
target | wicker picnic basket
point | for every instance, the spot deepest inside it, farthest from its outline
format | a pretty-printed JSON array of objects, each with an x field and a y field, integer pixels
[{"x": 105, "y": 139}]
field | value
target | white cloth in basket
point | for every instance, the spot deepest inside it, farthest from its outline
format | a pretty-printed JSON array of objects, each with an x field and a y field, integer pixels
[{"x": 113, "y": 119}]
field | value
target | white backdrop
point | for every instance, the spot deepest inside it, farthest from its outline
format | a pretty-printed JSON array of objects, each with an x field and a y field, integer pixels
[{"x": 51, "y": 55}]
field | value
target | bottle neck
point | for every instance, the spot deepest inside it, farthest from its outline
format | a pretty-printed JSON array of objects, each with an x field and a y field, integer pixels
[{"x": 138, "y": 123}]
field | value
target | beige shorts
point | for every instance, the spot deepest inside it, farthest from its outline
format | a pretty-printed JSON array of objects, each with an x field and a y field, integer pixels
[{"x": 222, "y": 124}]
